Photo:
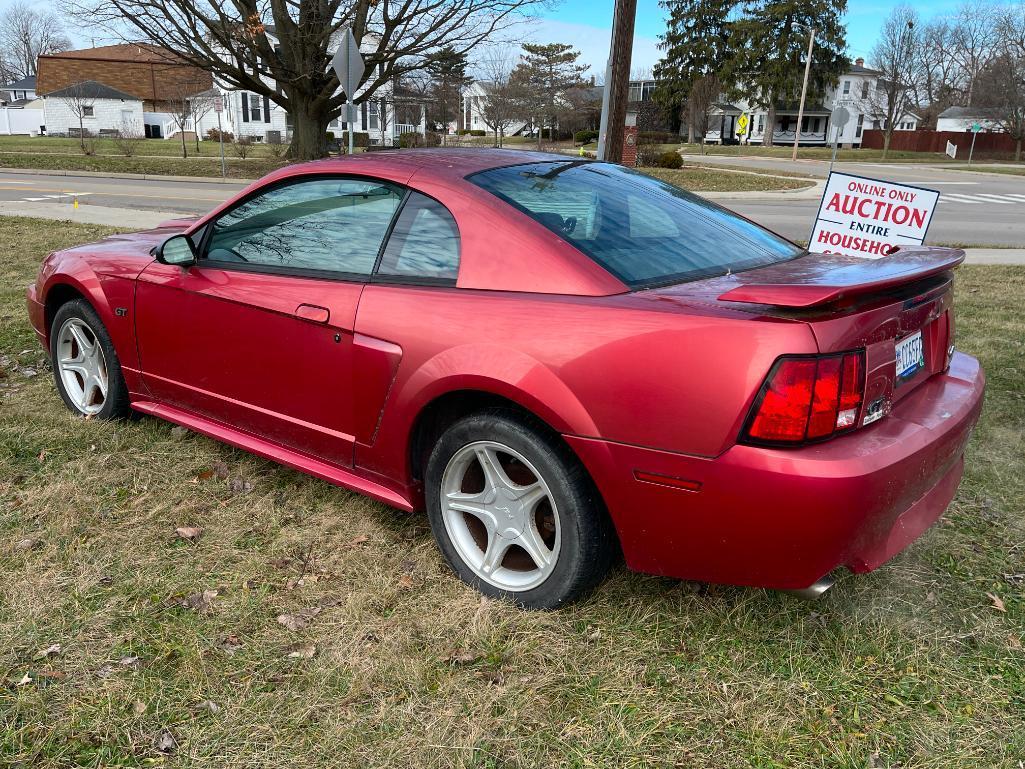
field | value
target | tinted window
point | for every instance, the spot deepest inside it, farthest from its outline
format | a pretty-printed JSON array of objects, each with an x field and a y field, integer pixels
[
  {"x": 323, "y": 224},
  {"x": 642, "y": 230},
  {"x": 424, "y": 243}
]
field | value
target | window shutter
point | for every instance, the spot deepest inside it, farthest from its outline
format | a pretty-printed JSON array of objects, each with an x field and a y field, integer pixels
[
  {"x": 245, "y": 107},
  {"x": 363, "y": 109},
  {"x": 266, "y": 109}
]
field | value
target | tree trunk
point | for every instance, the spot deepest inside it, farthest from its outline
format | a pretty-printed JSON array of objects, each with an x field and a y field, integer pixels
[
  {"x": 770, "y": 125},
  {"x": 81, "y": 131},
  {"x": 540, "y": 130},
  {"x": 1017, "y": 150},
  {"x": 886, "y": 141},
  {"x": 185, "y": 147},
  {"x": 309, "y": 132},
  {"x": 690, "y": 127}
]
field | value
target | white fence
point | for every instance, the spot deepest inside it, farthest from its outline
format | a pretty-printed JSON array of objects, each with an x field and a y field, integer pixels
[{"x": 20, "y": 121}]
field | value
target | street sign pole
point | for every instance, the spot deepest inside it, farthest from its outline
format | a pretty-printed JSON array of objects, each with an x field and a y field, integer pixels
[
  {"x": 975, "y": 130},
  {"x": 349, "y": 66},
  {"x": 804, "y": 93},
  {"x": 218, "y": 106}
]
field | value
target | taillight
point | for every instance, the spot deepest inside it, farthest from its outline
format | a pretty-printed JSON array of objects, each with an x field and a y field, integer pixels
[{"x": 808, "y": 399}]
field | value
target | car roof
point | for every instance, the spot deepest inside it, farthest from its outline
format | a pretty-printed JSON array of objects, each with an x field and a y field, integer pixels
[{"x": 437, "y": 163}]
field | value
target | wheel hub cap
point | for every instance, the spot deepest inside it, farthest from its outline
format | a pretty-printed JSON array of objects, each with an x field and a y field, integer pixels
[{"x": 82, "y": 366}]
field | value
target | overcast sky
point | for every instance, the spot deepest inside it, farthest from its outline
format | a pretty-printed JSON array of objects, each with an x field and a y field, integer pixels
[{"x": 585, "y": 24}]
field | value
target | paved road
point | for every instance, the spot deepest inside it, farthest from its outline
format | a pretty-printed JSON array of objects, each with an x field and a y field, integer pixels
[{"x": 975, "y": 209}]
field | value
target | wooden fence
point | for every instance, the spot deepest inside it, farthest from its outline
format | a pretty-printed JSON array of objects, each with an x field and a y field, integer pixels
[{"x": 986, "y": 144}]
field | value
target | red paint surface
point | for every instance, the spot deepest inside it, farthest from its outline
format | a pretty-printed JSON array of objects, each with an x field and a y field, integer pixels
[{"x": 330, "y": 376}]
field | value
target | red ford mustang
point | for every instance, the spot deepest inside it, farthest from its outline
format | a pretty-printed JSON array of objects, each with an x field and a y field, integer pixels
[{"x": 559, "y": 359}]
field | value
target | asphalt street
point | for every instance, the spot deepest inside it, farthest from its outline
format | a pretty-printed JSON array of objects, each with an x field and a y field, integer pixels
[{"x": 975, "y": 208}]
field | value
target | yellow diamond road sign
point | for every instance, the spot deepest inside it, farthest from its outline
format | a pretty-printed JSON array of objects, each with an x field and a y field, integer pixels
[{"x": 742, "y": 122}]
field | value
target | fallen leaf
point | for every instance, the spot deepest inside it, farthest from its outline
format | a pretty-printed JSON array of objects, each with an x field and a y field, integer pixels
[
  {"x": 55, "y": 675},
  {"x": 179, "y": 432},
  {"x": 205, "y": 475},
  {"x": 240, "y": 486},
  {"x": 220, "y": 470},
  {"x": 138, "y": 707},
  {"x": 129, "y": 662},
  {"x": 280, "y": 563},
  {"x": 42, "y": 456},
  {"x": 191, "y": 533},
  {"x": 165, "y": 742},
  {"x": 303, "y": 652},
  {"x": 200, "y": 602},
  {"x": 26, "y": 544},
  {"x": 231, "y": 643},
  {"x": 49, "y": 651},
  {"x": 998, "y": 604},
  {"x": 1013, "y": 641},
  {"x": 464, "y": 657},
  {"x": 25, "y": 680},
  {"x": 406, "y": 582},
  {"x": 208, "y": 705},
  {"x": 300, "y": 619},
  {"x": 592, "y": 633},
  {"x": 362, "y": 539}
]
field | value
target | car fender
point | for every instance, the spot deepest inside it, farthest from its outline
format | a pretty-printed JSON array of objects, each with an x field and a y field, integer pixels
[{"x": 485, "y": 368}]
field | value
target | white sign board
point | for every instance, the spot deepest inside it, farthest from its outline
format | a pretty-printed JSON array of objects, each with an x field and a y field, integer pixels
[
  {"x": 348, "y": 63},
  {"x": 867, "y": 217},
  {"x": 952, "y": 149}
]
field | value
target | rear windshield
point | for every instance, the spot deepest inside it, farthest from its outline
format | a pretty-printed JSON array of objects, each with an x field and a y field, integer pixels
[{"x": 642, "y": 230}]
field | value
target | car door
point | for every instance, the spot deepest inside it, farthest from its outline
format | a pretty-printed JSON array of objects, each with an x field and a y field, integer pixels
[{"x": 258, "y": 334}]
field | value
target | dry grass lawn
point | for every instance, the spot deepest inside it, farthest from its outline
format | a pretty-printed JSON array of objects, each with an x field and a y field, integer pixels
[{"x": 306, "y": 626}]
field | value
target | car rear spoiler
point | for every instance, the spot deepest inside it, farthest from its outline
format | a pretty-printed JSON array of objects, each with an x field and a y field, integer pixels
[{"x": 832, "y": 278}]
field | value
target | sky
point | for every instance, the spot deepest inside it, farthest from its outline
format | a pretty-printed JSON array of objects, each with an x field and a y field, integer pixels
[{"x": 586, "y": 25}]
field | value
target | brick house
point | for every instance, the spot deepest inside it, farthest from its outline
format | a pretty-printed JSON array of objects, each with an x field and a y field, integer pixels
[{"x": 138, "y": 72}]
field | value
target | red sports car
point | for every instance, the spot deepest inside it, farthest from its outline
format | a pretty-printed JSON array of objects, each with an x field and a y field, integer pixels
[{"x": 559, "y": 359}]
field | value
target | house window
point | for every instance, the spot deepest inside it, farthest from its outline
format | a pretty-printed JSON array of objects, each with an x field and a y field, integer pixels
[
  {"x": 374, "y": 116},
  {"x": 87, "y": 110},
  {"x": 861, "y": 124},
  {"x": 761, "y": 124},
  {"x": 255, "y": 105},
  {"x": 846, "y": 87},
  {"x": 864, "y": 89}
]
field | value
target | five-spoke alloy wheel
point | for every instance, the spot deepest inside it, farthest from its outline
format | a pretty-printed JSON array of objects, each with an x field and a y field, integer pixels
[
  {"x": 85, "y": 365},
  {"x": 514, "y": 512}
]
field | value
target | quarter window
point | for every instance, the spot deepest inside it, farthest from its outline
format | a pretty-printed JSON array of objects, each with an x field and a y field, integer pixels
[
  {"x": 334, "y": 225},
  {"x": 424, "y": 242}
]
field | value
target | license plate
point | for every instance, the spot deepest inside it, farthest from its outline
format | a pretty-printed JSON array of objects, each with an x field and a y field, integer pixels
[{"x": 910, "y": 355}]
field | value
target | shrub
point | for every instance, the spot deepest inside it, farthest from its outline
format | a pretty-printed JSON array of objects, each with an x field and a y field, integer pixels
[
  {"x": 478, "y": 132},
  {"x": 657, "y": 137},
  {"x": 215, "y": 135},
  {"x": 411, "y": 139},
  {"x": 648, "y": 155},
  {"x": 670, "y": 160},
  {"x": 330, "y": 136},
  {"x": 583, "y": 137},
  {"x": 462, "y": 132},
  {"x": 241, "y": 145},
  {"x": 88, "y": 146}
]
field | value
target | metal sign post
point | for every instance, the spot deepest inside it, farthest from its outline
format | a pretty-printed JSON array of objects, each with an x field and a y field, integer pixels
[
  {"x": 218, "y": 106},
  {"x": 975, "y": 130},
  {"x": 349, "y": 66},
  {"x": 839, "y": 119}
]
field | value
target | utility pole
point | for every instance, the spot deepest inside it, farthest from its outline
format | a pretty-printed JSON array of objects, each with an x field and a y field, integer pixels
[
  {"x": 804, "y": 91},
  {"x": 617, "y": 82}
]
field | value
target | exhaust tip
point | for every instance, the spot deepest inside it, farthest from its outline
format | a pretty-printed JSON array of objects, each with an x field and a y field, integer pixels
[{"x": 814, "y": 591}]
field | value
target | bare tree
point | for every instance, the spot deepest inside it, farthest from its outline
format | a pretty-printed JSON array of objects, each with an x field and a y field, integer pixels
[
  {"x": 941, "y": 82},
  {"x": 128, "y": 138},
  {"x": 202, "y": 105},
  {"x": 1000, "y": 92},
  {"x": 975, "y": 41},
  {"x": 25, "y": 34},
  {"x": 896, "y": 56},
  {"x": 179, "y": 102},
  {"x": 500, "y": 104},
  {"x": 282, "y": 49},
  {"x": 80, "y": 100},
  {"x": 702, "y": 96}
]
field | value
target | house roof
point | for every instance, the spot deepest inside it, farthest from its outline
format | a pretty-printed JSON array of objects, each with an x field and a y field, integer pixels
[
  {"x": 142, "y": 53},
  {"x": 857, "y": 69},
  {"x": 90, "y": 89},
  {"x": 726, "y": 108},
  {"x": 25, "y": 84},
  {"x": 962, "y": 112}
]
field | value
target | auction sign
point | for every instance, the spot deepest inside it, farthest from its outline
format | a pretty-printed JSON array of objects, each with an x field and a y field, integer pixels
[{"x": 869, "y": 217}]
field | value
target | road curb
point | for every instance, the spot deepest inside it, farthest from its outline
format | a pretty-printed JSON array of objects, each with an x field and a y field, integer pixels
[
  {"x": 115, "y": 175},
  {"x": 812, "y": 192}
]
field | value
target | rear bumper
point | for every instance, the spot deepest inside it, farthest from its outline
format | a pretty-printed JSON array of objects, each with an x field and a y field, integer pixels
[
  {"x": 36, "y": 315},
  {"x": 783, "y": 518}
]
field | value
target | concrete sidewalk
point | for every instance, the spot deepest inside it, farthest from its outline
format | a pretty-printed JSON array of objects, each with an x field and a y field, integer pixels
[{"x": 132, "y": 219}]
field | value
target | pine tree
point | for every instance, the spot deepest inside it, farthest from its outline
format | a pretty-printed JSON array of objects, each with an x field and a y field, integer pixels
[
  {"x": 447, "y": 70},
  {"x": 696, "y": 44},
  {"x": 770, "y": 42},
  {"x": 545, "y": 74}
]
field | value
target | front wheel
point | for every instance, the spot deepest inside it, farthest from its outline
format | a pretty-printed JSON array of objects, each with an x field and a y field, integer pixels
[
  {"x": 85, "y": 365},
  {"x": 515, "y": 514}
]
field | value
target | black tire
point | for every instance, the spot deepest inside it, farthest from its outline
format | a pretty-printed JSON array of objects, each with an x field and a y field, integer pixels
[
  {"x": 588, "y": 543},
  {"x": 116, "y": 403}
]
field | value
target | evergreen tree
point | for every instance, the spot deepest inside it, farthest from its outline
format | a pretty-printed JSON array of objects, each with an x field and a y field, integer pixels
[
  {"x": 447, "y": 70},
  {"x": 545, "y": 74},
  {"x": 769, "y": 45},
  {"x": 696, "y": 44}
]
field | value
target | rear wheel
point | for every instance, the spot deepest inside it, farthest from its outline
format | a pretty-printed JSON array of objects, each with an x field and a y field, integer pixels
[
  {"x": 85, "y": 365},
  {"x": 514, "y": 513}
]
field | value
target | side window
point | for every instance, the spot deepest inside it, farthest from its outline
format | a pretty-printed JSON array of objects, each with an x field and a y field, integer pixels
[
  {"x": 424, "y": 242},
  {"x": 336, "y": 225}
]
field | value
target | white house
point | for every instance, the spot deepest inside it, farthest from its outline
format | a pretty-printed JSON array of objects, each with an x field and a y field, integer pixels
[
  {"x": 18, "y": 93},
  {"x": 963, "y": 118},
  {"x": 104, "y": 111},
  {"x": 855, "y": 91},
  {"x": 474, "y": 103}
]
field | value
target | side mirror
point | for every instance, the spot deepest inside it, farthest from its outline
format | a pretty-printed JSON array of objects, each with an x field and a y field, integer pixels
[{"x": 176, "y": 250}]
